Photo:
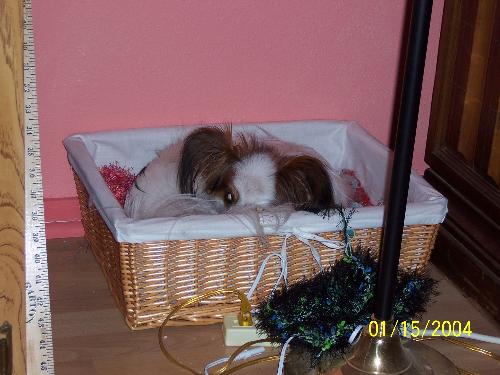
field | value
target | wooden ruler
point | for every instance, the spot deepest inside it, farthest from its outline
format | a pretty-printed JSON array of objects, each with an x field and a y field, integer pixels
[{"x": 40, "y": 359}]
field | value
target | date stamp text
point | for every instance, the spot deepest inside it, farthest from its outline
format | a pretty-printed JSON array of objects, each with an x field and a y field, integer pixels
[{"x": 420, "y": 329}]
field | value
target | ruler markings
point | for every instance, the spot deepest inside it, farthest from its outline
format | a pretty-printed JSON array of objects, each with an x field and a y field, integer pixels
[{"x": 38, "y": 317}]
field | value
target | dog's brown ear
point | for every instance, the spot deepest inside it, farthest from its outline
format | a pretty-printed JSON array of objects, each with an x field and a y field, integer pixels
[
  {"x": 208, "y": 154},
  {"x": 304, "y": 181}
]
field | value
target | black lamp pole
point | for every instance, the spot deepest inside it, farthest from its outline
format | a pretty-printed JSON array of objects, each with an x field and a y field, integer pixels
[
  {"x": 386, "y": 354},
  {"x": 403, "y": 153}
]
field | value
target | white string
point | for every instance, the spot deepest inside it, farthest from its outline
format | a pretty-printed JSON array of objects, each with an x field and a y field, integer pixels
[
  {"x": 332, "y": 244},
  {"x": 284, "y": 261},
  {"x": 304, "y": 237},
  {"x": 261, "y": 272},
  {"x": 284, "y": 269},
  {"x": 313, "y": 250},
  {"x": 281, "y": 363},
  {"x": 243, "y": 355}
]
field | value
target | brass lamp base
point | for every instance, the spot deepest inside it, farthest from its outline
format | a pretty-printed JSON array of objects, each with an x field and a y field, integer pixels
[
  {"x": 380, "y": 355},
  {"x": 390, "y": 355}
]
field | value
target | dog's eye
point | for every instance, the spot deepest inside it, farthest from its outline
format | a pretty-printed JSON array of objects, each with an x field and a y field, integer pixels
[{"x": 229, "y": 197}]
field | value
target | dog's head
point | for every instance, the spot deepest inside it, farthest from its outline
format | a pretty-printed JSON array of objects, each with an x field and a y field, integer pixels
[{"x": 246, "y": 171}]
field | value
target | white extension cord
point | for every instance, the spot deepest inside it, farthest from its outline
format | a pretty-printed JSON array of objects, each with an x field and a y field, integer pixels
[
  {"x": 236, "y": 335},
  {"x": 471, "y": 336}
]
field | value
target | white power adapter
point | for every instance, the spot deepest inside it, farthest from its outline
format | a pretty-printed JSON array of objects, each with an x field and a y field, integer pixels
[{"x": 237, "y": 335}]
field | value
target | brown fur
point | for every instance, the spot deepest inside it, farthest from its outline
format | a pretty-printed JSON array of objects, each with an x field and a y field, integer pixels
[
  {"x": 304, "y": 181},
  {"x": 209, "y": 153},
  {"x": 249, "y": 144}
]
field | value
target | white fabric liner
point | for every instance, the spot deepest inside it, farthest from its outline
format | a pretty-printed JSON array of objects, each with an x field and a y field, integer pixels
[{"x": 344, "y": 144}]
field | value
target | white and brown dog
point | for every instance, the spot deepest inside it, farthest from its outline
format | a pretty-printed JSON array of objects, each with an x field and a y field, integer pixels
[{"x": 215, "y": 172}]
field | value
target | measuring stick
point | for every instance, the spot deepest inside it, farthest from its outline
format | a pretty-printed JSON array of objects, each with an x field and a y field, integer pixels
[{"x": 40, "y": 359}]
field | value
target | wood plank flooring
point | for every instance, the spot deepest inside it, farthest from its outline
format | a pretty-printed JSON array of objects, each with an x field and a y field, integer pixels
[{"x": 90, "y": 336}]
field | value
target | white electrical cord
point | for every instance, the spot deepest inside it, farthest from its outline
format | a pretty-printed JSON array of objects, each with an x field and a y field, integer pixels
[
  {"x": 284, "y": 269},
  {"x": 355, "y": 334},
  {"x": 304, "y": 237},
  {"x": 243, "y": 355},
  {"x": 440, "y": 333},
  {"x": 357, "y": 330},
  {"x": 483, "y": 338},
  {"x": 281, "y": 364}
]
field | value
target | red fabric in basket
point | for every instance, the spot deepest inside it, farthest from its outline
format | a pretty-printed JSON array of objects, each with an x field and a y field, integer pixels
[
  {"x": 358, "y": 192},
  {"x": 118, "y": 179}
]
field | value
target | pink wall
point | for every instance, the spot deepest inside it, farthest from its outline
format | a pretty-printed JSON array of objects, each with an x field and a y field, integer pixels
[{"x": 124, "y": 64}]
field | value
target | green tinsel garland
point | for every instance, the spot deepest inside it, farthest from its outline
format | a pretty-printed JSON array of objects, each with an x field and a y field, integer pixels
[{"x": 322, "y": 312}]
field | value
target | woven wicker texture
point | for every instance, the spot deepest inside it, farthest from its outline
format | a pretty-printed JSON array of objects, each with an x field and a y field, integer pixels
[{"x": 148, "y": 279}]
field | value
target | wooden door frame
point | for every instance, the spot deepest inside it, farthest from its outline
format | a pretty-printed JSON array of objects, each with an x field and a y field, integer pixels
[
  {"x": 12, "y": 198},
  {"x": 463, "y": 249}
]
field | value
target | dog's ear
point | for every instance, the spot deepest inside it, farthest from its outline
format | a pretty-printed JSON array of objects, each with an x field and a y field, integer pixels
[
  {"x": 207, "y": 154},
  {"x": 304, "y": 181}
]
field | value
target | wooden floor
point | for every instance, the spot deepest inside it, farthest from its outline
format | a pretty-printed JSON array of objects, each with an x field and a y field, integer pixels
[{"x": 90, "y": 336}]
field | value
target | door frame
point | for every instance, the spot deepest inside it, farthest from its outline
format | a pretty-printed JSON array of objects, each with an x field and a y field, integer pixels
[{"x": 467, "y": 243}]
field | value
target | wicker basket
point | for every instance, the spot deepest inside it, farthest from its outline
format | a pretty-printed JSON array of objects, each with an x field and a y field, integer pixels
[
  {"x": 149, "y": 271},
  {"x": 148, "y": 279}
]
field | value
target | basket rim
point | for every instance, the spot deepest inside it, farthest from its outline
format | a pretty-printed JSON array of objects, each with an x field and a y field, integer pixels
[{"x": 429, "y": 206}]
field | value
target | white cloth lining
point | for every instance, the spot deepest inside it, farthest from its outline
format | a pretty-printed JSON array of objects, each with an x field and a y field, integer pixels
[{"x": 342, "y": 144}]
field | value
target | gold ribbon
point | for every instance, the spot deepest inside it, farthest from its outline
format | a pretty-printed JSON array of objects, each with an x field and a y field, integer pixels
[
  {"x": 226, "y": 369},
  {"x": 244, "y": 318}
]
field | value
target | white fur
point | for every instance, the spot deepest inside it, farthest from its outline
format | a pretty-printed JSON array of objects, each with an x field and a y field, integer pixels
[
  {"x": 255, "y": 180},
  {"x": 157, "y": 184},
  {"x": 156, "y": 193},
  {"x": 342, "y": 191}
]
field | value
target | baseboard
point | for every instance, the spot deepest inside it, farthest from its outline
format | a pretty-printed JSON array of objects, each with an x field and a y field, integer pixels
[{"x": 62, "y": 218}]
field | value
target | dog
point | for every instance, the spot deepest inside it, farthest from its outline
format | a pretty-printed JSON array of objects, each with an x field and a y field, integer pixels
[{"x": 211, "y": 172}]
